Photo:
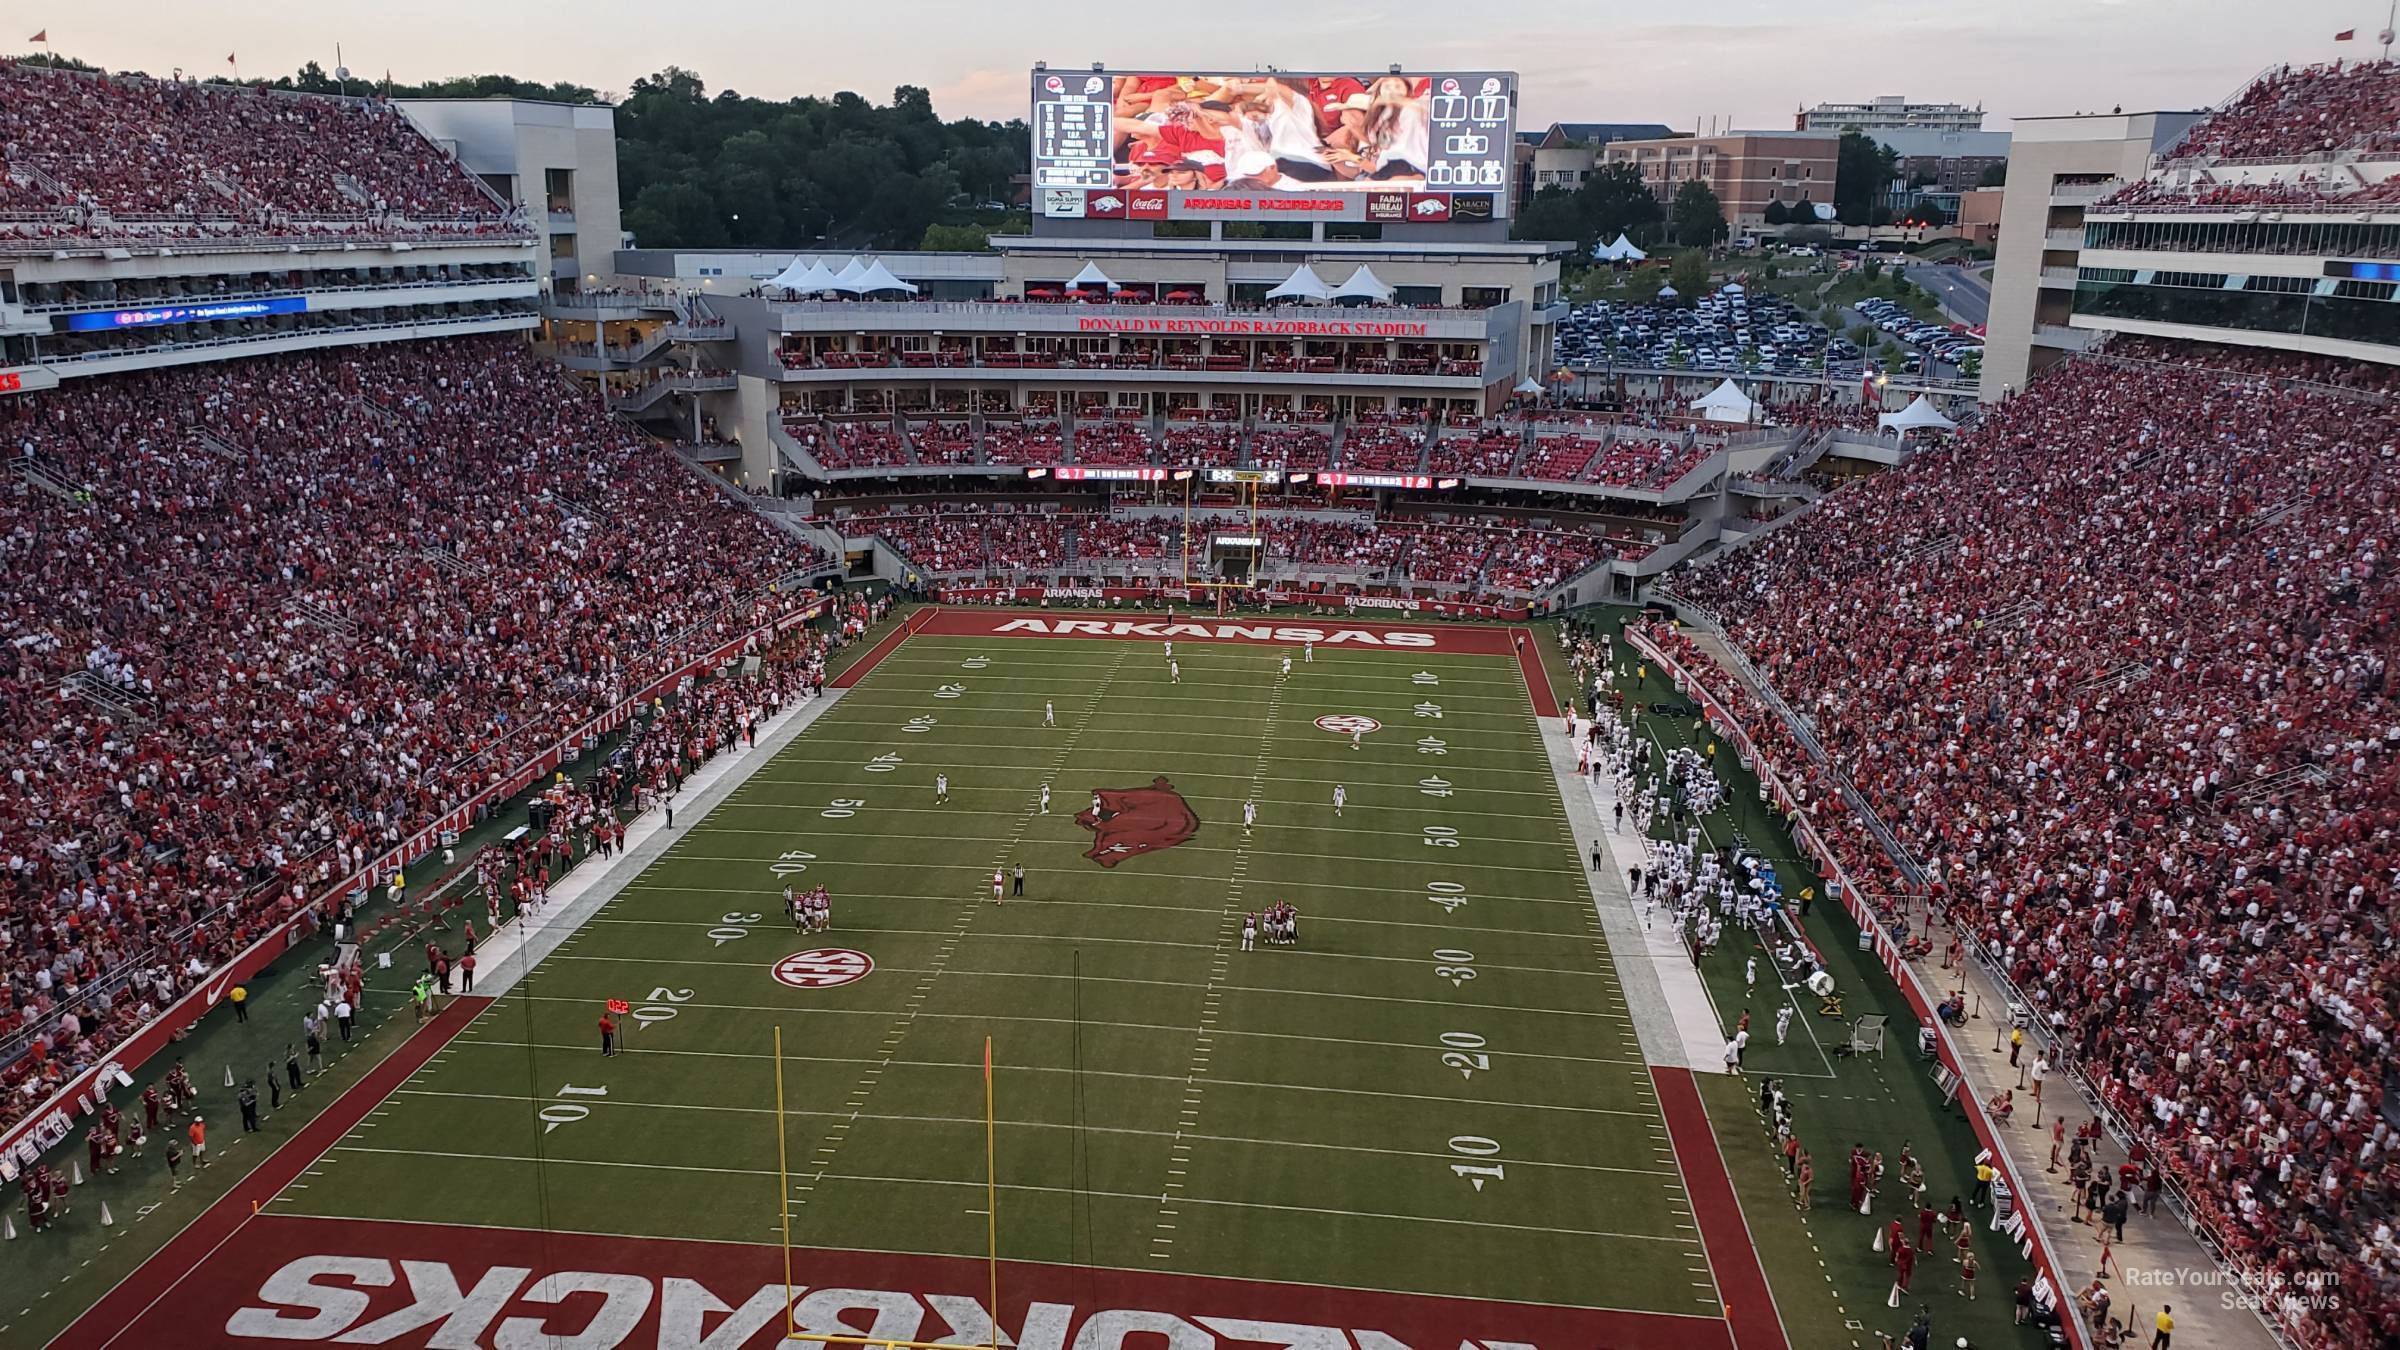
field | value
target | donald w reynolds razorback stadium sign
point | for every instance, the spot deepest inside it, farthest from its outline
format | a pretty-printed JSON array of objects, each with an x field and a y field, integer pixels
[{"x": 1378, "y": 328}]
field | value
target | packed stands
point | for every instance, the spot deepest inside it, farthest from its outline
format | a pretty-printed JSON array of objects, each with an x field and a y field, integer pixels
[
  {"x": 1383, "y": 448},
  {"x": 850, "y": 443},
  {"x": 1114, "y": 441},
  {"x": 1488, "y": 450},
  {"x": 331, "y": 596},
  {"x": 1205, "y": 445},
  {"x": 110, "y": 155},
  {"x": 1652, "y": 465},
  {"x": 1008, "y": 441},
  {"x": 2116, "y": 667},
  {"x": 1561, "y": 459},
  {"x": 943, "y": 441},
  {"x": 2307, "y": 111},
  {"x": 1300, "y": 448}
]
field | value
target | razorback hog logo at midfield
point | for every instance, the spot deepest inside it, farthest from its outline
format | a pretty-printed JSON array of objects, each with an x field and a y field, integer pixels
[{"x": 1134, "y": 821}]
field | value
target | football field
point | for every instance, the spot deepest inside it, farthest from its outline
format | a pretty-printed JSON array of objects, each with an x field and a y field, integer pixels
[{"x": 1426, "y": 1120}]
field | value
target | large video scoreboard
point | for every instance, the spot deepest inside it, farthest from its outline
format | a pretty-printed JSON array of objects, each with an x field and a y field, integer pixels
[{"x": 1393, "y": 148}]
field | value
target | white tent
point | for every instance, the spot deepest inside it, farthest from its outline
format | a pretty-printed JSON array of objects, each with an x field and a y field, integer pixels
[
  {"x": 1302, "y": 284},
  {"x": 879, "y": 278},
  {"x": 1919, "y": 415},
  {"x": 847, "y": 278},
  {"x": 1731, "y": 288},
  {"x": 1620, "y": 251},
  {"x": 815, "y": 280},
  {"x": 1530, "y": 385},
  {"x": 1725, "y": 403},
  {"x": 789, "y": 278},
  {"x": 1668, "y": 292},
  {"x": 1363, "y": 285},
  {"x": 1091, "y": 278}
]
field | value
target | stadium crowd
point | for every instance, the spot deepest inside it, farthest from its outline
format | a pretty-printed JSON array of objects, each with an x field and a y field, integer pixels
[
  {"x": 131, "y": 147},
  {"x": 331, "y": 596},
  {"x": 2304, "y": 111},
  {"x": 2117, "y": 669}
]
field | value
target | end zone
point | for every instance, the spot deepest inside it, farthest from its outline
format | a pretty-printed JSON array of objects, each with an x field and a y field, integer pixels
[{"x": 294, "y": 1278}]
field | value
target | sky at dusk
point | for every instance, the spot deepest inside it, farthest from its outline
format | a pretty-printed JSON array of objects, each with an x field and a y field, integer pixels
[{"x": 1739, "y": 62}]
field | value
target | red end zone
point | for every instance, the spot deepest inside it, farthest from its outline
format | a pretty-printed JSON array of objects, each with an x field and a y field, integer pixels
[
  {"x": 1354, "y": 632},
  {"x": 417, "y": 1285}
]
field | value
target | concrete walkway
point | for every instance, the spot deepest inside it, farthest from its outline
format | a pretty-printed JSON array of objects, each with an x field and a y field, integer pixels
[
  {"x": 510, "y": 954},
  {"x": 1673, "y": 1017}
]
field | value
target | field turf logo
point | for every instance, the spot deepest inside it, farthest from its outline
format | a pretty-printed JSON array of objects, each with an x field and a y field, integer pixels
[
  {"x": 1130, "y": 822},
  {"x": 824, "y": 968}
]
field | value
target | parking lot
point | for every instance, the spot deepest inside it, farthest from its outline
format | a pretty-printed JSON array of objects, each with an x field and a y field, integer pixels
[{"x": 1715, "y": 331}]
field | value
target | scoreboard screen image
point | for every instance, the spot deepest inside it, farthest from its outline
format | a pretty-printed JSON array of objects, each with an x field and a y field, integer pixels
[{"x": 1426, "y": 149}]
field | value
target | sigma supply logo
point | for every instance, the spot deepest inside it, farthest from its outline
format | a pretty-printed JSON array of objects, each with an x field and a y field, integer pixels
[
  {"x": 1104, "y": 205},
  {"x": 1387, "y": 206},
  {"x": 415, "y": 1303},
  {"x": 824, "y": 968},
  {"x": 1062, "y": 203},
  {"x": 1230, "y": 632},
  {"x": 1129, "y": 822}
]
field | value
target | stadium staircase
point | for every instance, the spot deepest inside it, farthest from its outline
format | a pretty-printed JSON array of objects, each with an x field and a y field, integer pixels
[
  {"x": 40, "y": 476},
  {"x": 316, "y": 615},
  {"x": 793, "y": 452},
  {"x": 1516, "y": 467},
  {"x": 115, "y": 702},
  {"x": 447, "y": 561}
]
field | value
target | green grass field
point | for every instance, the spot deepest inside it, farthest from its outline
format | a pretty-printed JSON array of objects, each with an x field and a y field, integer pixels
[{"x": 1437, "y": 1091}]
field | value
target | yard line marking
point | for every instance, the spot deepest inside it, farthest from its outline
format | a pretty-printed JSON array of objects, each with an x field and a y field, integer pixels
[
  {"x": 1179, "y": 1153},
  {"x": 875, "y": 1180},
  {"x": 753, "y": 891},
  {"x": 654, "y": 960},
  {"x": 941, "y": 961},
  {"x": 1410, "y": 1046}
]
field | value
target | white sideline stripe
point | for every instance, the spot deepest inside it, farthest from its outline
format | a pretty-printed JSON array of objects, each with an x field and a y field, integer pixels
[
  {"x": 556, "y": 1161},
  {"x": 593, "y": 883}
]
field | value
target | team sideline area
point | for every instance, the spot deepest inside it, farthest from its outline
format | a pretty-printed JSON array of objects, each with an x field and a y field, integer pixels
[{"x": 1362, "y": 1062}]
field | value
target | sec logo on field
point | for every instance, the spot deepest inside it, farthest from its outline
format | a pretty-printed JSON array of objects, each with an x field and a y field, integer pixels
[
  {"x": 824, "y": 968},
  {"x": 1344, "y": 724}
]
